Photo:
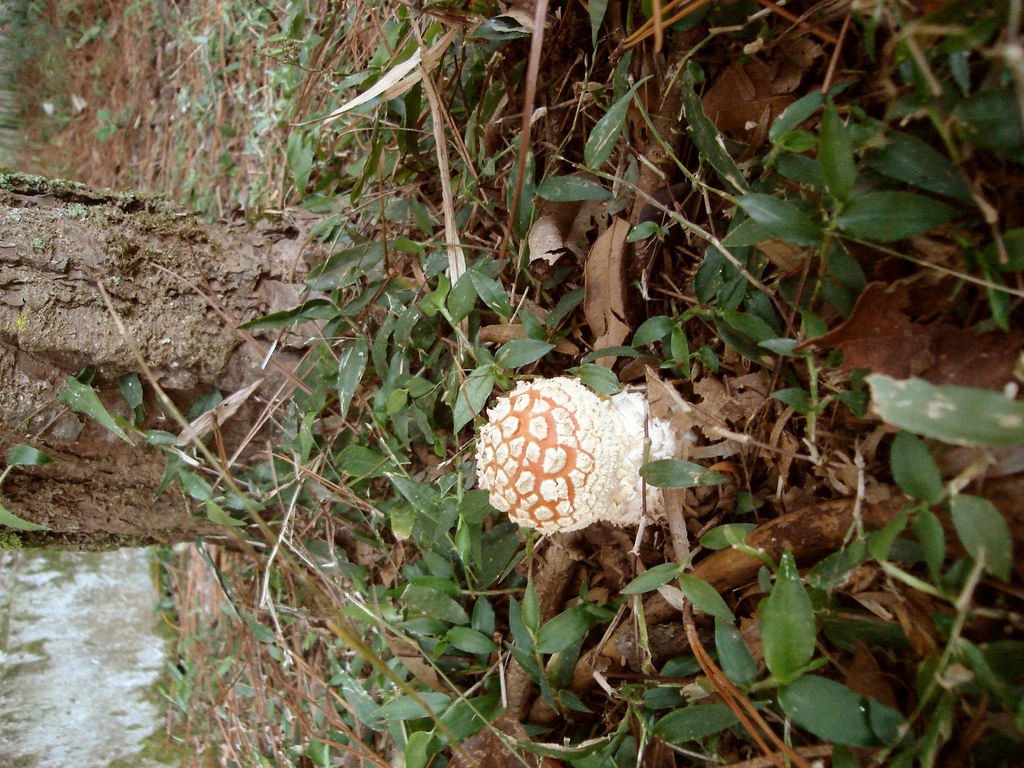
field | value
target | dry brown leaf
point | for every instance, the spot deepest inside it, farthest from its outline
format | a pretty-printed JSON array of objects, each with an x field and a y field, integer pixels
[
  {"x": 911, "y": 609},
  {"x": 744, "y": 100},
  {"x": 563, "y": 228},
  {"x": 604, "y": 300},
  {"x": 866, "y": 677},
  {"x": 785, "y": 256},
  {"x": 666, "y": 403},
  {"x": 731, "y": 400},
  {"x": 487, "y": 749},
  {"x": 658, "y": 755},
  {"x": 881, "y": 336},
  {"x": 412, "y": 659}
]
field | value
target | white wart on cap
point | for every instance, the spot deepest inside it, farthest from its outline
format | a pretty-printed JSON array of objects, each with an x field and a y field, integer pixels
[{"x": 557, "y": 457}]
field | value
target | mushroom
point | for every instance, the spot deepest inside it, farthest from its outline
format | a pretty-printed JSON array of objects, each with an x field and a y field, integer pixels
[{"x": 557, "y": 456}]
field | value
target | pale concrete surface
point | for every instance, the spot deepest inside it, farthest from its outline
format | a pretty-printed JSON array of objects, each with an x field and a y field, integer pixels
[{"x": 81, "y": 653}]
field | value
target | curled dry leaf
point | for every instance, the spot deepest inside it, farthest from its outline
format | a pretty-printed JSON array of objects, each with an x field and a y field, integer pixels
[
  {"x": 400, "y": 78},
  {"x": 217, "y": 415},
  {"x": 563, "y": 228},
  {"x": 604, "y": 301}
]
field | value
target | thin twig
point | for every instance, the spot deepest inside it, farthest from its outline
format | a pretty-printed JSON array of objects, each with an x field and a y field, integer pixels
[{"x": 529, "y": 102}]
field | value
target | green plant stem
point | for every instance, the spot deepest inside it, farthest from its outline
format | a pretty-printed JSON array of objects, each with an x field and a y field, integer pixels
[{"x": 963, "y": 609}]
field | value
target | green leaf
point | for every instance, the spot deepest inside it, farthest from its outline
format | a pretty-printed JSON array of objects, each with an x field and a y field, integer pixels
[
  {"x": 643, "y": 230},
  {"x": 422, "y": 497},
  {"x": 564, "y": 630},
  {"x": 835, "y": 154},
  {"x": 653, "y": 329},
  {"x": 787, "y": 624},
  {"x": 928, "y": 530},
  {"x": 801, "y": 169},
  {"x": 131, "y": 390},
  {"x": 408, "y": 708},
  {"x": 195, "y": 486},
  {"x": 914, "y": 469},
  {"x": 26, "y": 455},
  {"x": 471, "y": 641},
  {"x": 723, "y": 536},
  {"x": 880, "y": 543},
  {"x": 781, "y": 218},
  {"x": 886, "y": 723},
  {"x": 600, "y": 379},
  {"x": 461, "y": 299},
  {"x": 795, "y": 114},
  {"x": 992, "y": 120},
  {"x": 396, "y": 401},
  {"x": 13, "y": 521},
  {"x": 491, "y": 292},
  {"x": 652, "y": 579},
  {"x": 907, "y": 158},
  {"x": 694, "y": 722},
  {"x": 984, "y": 533},
  {"x": 567, "y": 189},
  {"x": 351, "y": 367},
  {"x": 747, "y": 232},
  {"x": 799, "y": 141},
  {"x": 750, "y": 325},
  {"x": 894, "y": 215},
  {"x": 737, "y": 661},
  {"x": 345, "y": 267},
  {"x": 784, "y": 347},
  {"x": 705, "y": 135},
  {"x": 958, "y": 415},
  {"x": 606, "y": 132},
  {"x": 300, "y": 160},
  {"x": 566, "y": 305},
  {"x": 570, "y": 752},
  {"x": 319, "y": 754},
  {"x": 531, "y": 607},
  {"x": 362, "y": 462},
  {"x": 520, "y": 352},
  {"x": 466, "y": 717},
  {"x": 217, "y": 514},
  {"x": 261, "y": 632},
  {"x": 675, "y": 473},
  {"x": 422, "y": 600},
  {"x": 159, "y": 437},
  {"x": 829, "y": 710},
  {"x": 82, "y": 399},
  {"x": 704, "y": 597},
  {"x": 472, "y": 395},
  {"x": 314, "y": 309},
  {"x": 795, "y": 398},
  {"x": 597, "y": 11},
  {"x": 403, "y": 521}
]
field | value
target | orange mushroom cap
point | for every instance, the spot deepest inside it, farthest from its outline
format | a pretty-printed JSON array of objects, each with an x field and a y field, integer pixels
[{"x": 556, "y": 456}]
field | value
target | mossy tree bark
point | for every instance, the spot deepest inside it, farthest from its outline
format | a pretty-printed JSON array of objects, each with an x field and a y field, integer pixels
[{"x": 58, "y": 242}]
